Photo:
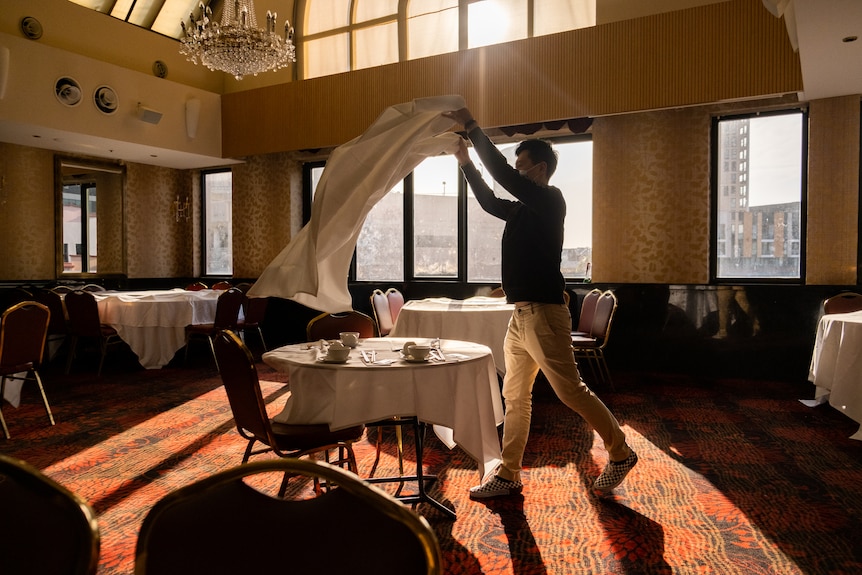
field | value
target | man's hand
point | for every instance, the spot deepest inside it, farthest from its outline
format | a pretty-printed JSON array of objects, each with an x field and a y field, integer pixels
[{"x": 462, "y": 116}]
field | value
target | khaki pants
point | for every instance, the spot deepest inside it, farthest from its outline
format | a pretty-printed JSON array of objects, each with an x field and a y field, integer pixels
[{"x": 539, "y": 337}]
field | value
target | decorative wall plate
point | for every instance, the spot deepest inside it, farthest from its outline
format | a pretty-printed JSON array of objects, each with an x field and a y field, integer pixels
[
  {"x": 68, "y": 91},
  {"x": 106, "y": 99}
]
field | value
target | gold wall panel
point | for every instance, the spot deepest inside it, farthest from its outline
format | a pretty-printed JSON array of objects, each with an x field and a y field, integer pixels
[{"x": 727, "y": 51}]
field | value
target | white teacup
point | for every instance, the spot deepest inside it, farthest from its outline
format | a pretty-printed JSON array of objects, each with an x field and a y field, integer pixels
[
  {"x": 349, "y": 338},
  {"x": 337, "y": 352},
  {"x": 419, "y": 352}
]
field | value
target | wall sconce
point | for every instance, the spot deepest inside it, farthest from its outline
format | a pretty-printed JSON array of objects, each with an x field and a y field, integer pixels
[{"x": 182, "y": 209}]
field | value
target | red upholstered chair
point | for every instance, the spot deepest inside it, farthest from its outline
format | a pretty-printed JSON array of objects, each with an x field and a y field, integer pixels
[
  {"x": 591, "y": 348},
  {"x": 222, "y": 285},
  {"x": 23, "y": 329},
  {"x": 254, "y": 311},
  {"x": 196, "y": 286},
  {"x": 46, "y": 528},
  {"x": 382, "y": 313},
  {"x": 226, "y": 317},
  {"x": 329, "y": 325},
  {"x": 57, "y": 329},
  {"x": 588, "y": 311},
  {"x": 83, "y": 313},
  {"x": 239, "y": 375},
  {"x": 843, "y": 303}
]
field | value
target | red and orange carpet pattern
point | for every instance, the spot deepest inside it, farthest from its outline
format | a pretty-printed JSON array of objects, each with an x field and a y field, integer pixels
[{"x": 735, "y": 477}]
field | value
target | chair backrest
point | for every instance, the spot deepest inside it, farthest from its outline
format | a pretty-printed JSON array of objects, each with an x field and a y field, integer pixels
[
  {"x": 497, "y": 292},
  {"x": 843, "y": 303},
  {"x": 329, "y": 325},
  {"x": 221, "y": 285},
  {"x": 254, "y": 309},
  {"x": 605, "y": 309},
  {"x": 93, "y": 288},
  {"x": 239, "y": 376},
  {"x": 396, "y": 302},
  {"x": 46, "y": 528},
  {"x": 382, "y": 313},
  {"x": 244, "y": 286},
  {"x": 353, "y": 527},
  {"x": 23, "y": 330},
  {"x": 54, "y": 303},
  {"x": 83, "y": 313},
  {"x": 227, "y": 309},
  {"x": 588, "y": 311},
  {"x": 196, "y": 286}
]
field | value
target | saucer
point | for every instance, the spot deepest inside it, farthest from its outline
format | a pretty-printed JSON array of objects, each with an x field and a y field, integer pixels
[
  {"x": 329, "y": 360},
  {"x": 409, "y": 359}
]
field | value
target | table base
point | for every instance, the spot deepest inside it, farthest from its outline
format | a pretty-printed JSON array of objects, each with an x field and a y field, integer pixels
[{"x": 421, "y": 479}]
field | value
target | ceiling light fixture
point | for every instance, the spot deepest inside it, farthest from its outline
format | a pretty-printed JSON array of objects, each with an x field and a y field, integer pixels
[{"x": 236, "y": 45}]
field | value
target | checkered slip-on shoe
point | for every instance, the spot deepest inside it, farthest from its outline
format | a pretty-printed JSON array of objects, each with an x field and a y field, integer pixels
[
  {"x": 615, "y": 472},
  {"x": 496, "y": 487}
]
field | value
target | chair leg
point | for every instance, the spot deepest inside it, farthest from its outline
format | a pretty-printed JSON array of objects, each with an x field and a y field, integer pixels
[
  {"x": 262, "y": 342},
  {"x": 212, "y": 349},
  {"x": 44, "y": 397},
  {"x": 103, "y": 349}
]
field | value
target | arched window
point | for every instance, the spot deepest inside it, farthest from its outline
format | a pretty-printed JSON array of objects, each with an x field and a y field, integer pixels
[{"x": 335, "y": 36}]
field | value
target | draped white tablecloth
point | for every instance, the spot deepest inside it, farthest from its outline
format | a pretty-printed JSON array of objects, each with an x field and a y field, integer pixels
[
  {"x": 153, "y": 322},
  {"x": 482, "y": 320},
  {"x": 836, "y": 365},
  {"x": 459, "y": 396}
]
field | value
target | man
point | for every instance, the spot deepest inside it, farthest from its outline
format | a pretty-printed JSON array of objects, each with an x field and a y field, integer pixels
[{"x": 539, "y": 334}]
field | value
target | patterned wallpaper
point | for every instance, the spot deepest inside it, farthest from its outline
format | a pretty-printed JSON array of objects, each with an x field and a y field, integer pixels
[{"x": 651, "y": 197}]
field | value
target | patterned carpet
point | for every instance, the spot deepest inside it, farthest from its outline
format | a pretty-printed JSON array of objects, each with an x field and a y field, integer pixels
[{"x": 735, "y": 477}]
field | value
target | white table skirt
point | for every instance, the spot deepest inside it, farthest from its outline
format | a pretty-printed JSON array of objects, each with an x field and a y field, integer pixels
[
  {"x": 482, "y": 320},
  {"x": 153, "y": 322},
  {"x": 836, "y": 365},
  {"x": 460, "y": 396}
]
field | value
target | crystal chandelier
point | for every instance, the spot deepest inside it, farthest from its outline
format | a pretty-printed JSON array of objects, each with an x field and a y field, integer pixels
[{"x": 237, "y": 46}]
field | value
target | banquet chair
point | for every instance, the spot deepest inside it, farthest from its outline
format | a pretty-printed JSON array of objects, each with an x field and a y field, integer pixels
[
  {"x": 382, "y": 313},
  {"x": 244, "y": 286},
  {"x": 226, "y": 317},
  {"x": 241, "y": 383},
  {"x": 62, "y": 289},
  {"x": 497, "y": 292},
  {"x": 588, "y": 312},
  {"x": 93, "y": 288},
  {"x": 352, "y": 528},
  {"x": 844, "y": 302},
  {"x": 46, "y": 529},
  {"x": 329, "y": 325},
  {"x": 83, "y": 313},
  {"x": 57, "y": 329},
  {"x": 591, "y": 348},
  {"x": 11, "y": 296},
  {"x": 222, "y": 285},
  {"x": 196, "y": 286},
  {"x": 23, "y": 329},
  {"x": 254, "y": 311},
  {"x": 396, "y": 302}
]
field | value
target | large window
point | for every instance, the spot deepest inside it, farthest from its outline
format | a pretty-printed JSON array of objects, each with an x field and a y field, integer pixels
[
  {"x": 80, "y": 232},
  {"x": 430, "y": 226},
  {"x": 758, "y": 196},
  {"x": 217, "y": 190},
  {"x": 341, "y": 35}
]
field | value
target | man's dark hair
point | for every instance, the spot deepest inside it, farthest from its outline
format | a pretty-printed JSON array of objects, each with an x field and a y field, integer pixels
[{"x": 540, "y": 151}]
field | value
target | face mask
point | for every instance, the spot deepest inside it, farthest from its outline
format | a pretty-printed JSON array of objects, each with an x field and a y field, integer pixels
[{"x": 525, "y": 172}]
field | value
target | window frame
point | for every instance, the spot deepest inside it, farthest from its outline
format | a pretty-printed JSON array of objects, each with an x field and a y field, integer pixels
[
  {"x": 204, "y": 239},
  {"x": 715, "y": 193}
]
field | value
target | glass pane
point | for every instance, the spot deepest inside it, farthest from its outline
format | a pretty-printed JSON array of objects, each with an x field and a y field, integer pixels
[
  {"x": 327, "y": 56},
  {"x": 370, "y": 9},
  {"x": 323, "y": 15},
  {"x": 376, "y": 46},
  {"x": 73, "y": 215},
  {"x": 759, "y": 197},
  {"x": 551, "y": 16},
  {"x": 433, "y": 33},
  {"x": 92, "y": 230},
  {"x": 496, "y": 21},
  {"x": 435, "y": 217},
  {"x": 218, "y": 226},
  {"x": 380, "y": 247},
  {"x": 574, "y": 177},
  {"x": 170, "y": 16}
]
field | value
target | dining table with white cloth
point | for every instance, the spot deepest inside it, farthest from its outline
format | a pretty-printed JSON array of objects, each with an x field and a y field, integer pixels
[
  {"x": 478, "y": 319},
  {"x": 836, "y": 365},
  {"x": 153, "y": 322},
  {"x": 459, "y": 394}
]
